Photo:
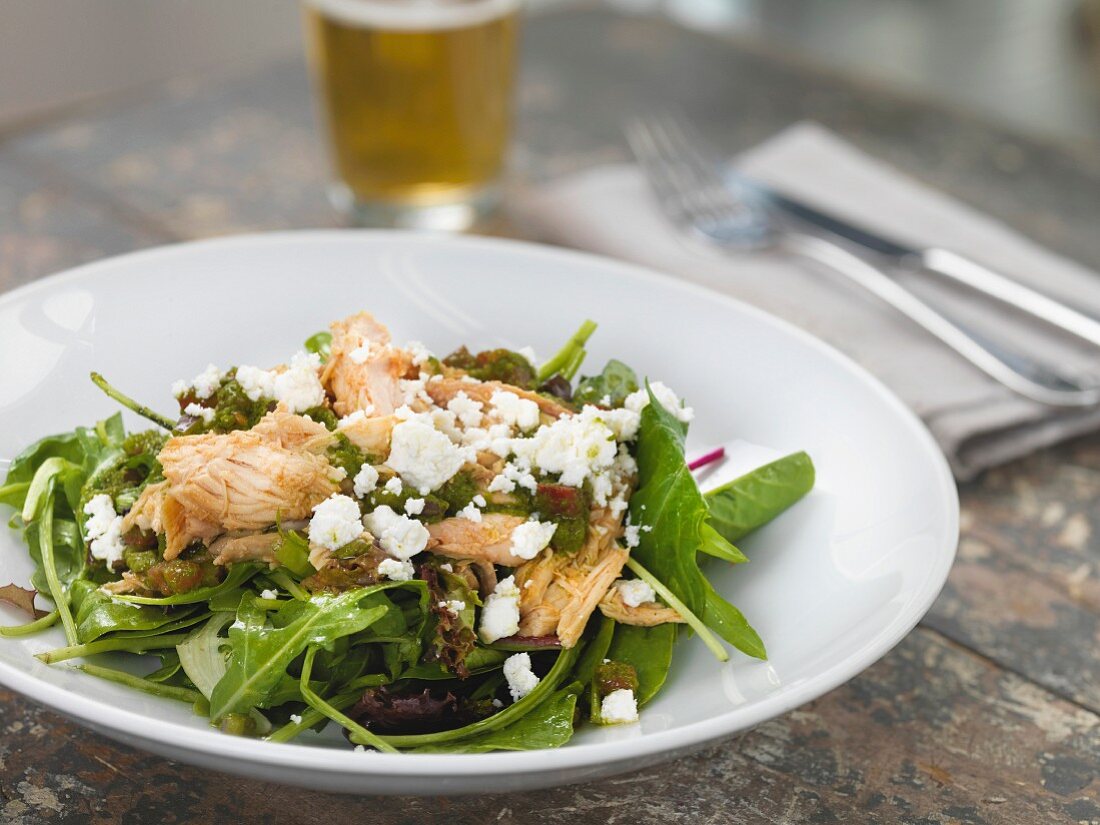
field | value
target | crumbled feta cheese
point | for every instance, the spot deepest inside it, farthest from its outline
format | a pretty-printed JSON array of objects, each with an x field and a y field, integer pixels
[
  {"x": 205, "y": 384},
  {"x": 365, "y": 481},
  {"x": 510, "y": 409},
  {"x": 519, "y": 477},
  {"x": 400, "y": 536},
  {"x": 361, "y": 354},
  {"x": 197, "y": 411},
  {"x": 295, "y": 718},
  {"x": 619, "y": 707},
  {"x": 336, "y": 521},
  {"x": 500, "y": 616},
  {"x": 577, "y": 447},
  {"x": 637, "y": 401},
  {"x": 455, "y": 606},
  {"x": 420, "y": 353},
  {"x": 529, "y": 538},
  {"x": 466, "y": 410},
  {"x": 521, "y": 679},
  {"x": 103, "y": 529},
  {"x": 393, "y": 486},
  {"x": 497, "y": 704},
  {"x": 501, "y": 484},
  {"x": 447, "y": 566},
  {"x": 255, "y": 382},
  {"x": 297, "y": 386},
  {"x": 414, "y": 506},
  {"x": 423, "y": 456},
  {"x": 268, "y": 594},
  {"x": 397, "y": 570},
  {"x": 479, "y": 500},
  {"x": 470, "y": 513},
  {"x": 635, "y": 592},
  {"x": 631, "y": 535}
]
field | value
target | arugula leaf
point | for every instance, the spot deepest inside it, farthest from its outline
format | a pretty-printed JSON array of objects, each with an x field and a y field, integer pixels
[
  {"x": 568, "y": 359},
  {"x": 21, "y": 598},
  {"x": 649, "y": 650},
  {"x": 669, "y": 504},
  {"x": 549, "y": 725},
  {"x": 740, "y": 506},
  {"x": 614, "y": 383},
  {"x": 262, "y": 652}
]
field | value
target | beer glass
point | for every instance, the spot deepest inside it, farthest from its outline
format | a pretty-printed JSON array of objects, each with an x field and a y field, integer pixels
[{"x": 416, "y": 97}]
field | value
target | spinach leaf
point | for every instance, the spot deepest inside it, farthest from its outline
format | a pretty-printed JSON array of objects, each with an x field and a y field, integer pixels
[
  {"x": 98, "y": 613},
  {"x": 550, "y": 725},
  {"x": 649, "y": 650},
  {"x": 262, "y": 650},
  {"x": 595, "y": 652},
  {"x": 715, "y": 545},
  {"x": 614, "y": 384},
  {"x": 740, "y": 506},
  {"x": 668, "y": 503}
]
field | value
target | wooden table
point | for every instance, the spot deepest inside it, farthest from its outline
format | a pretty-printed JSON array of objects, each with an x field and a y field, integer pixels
[{"x": 987, "y": 712}]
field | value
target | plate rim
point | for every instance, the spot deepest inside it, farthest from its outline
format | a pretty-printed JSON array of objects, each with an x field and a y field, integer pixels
[{"x": 126, "y": 724}]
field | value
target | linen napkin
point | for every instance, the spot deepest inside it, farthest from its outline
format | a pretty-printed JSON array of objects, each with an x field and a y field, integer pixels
[{"x": 977, "y": 422}]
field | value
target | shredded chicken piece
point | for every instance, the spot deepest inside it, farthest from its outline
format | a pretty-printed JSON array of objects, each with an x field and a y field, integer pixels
[
  {"x": 445, "y": 389},
  {"x": 129, "y": 583},
  {"x": 363, "y": 369},
  {"x": 371, "y": 435},
  {"x": 293, "y": 432},
  {"x": 156, "y": 510},
  {"x": 577, "y": 583},
  {"x": 648, "y": 614},
  {"x": 248, "y": 547},
  {"x": 245, "y": 479},
  {"x": 487, "y": 540}
]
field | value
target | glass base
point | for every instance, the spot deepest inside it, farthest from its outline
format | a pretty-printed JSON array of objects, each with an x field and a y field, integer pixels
[{"x": 443, "y": 215}]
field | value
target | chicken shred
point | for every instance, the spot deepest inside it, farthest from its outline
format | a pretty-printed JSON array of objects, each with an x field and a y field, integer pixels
[
  {"x": 445, "y": 389},
  {"x": 487, "y": 540},
  {"x": 363, "y": 370},
  {"x": 648, "y": 614}
]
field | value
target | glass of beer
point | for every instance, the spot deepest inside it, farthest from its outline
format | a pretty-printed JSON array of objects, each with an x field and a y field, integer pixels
[{"x": 417, "y": 100}]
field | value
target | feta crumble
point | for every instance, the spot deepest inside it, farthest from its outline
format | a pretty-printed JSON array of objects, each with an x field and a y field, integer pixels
[
  {"x": 205, "y": 384},
  {"x": 198, "y": 411},
  {"x": 423, "y": 456},
  {"x": 510, "y": 409},
  {"x": 365, "y": 481},
  {"x": 414, "y": 506},
  {"x": 447, "y": 566},
  {"x": 470, "y": 513},
  {"x": 400, "y": 536},
  {"x": 268, "y": 594},
  {"x": 631, "y": 535},
  {"x": 501, "y": 484},
  {"x": 637, "y": 401},
  {"x": 635, "y": 592},
  {"x": 619, "y": 707},
  {"x": 529, "y": 538},
  {"x": 521, "y": 679},
  {"x": 393, "y": 486},
  {"x": 103, "y": 529},
  {"x": 295, "y": 718},
  {"x": 396, "y": 569},
  {"x": 297, "y": 386},
  {"x": 467, "y": 411},
  {"x": 455, "y": 606},
  {"x": 420, "y": 353},
  {"x": 500, "y": 616},
  {"x": 336, "y": 522}
]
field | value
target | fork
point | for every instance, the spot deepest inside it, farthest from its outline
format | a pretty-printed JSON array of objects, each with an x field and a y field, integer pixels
[{"x": 694, "y": 196}]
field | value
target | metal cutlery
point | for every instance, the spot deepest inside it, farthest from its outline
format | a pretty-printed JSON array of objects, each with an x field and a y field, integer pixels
[{"x": 738, "y": 214}]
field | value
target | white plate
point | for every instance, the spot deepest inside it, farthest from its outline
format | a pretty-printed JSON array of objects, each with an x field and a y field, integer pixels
[{"x": 833, "y": 584}]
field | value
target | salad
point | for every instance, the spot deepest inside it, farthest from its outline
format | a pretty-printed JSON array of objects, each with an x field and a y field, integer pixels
[{"x": 465, "y": 553}]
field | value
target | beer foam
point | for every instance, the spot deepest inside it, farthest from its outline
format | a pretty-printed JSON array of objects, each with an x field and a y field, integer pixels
[{"x": 413, "y": 15}]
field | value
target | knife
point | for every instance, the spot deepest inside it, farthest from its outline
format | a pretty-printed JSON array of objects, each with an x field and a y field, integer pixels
[{"x": 937, "y": 260}]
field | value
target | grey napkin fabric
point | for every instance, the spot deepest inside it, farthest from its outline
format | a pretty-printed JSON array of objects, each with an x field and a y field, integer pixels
[{"x": 976, "y": 421}]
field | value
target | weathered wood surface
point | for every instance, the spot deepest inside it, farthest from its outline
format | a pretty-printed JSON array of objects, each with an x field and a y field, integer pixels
[{"x": 987, "y": 713}]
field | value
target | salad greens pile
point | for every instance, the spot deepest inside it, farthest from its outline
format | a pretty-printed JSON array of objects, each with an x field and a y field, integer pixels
[{"x": 275, "y": 650}]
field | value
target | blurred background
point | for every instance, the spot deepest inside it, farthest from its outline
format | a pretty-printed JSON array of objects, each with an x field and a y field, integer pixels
[{"x": 1033, "y": 65}]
